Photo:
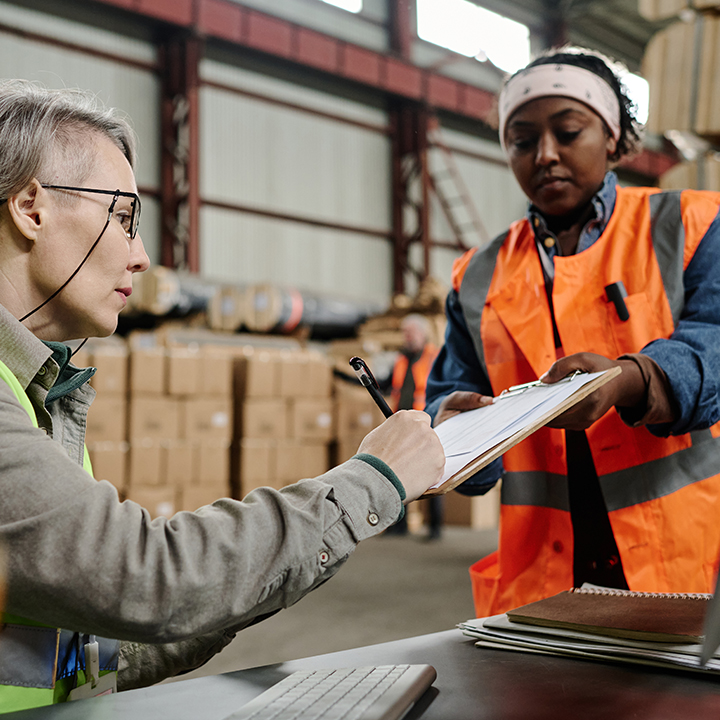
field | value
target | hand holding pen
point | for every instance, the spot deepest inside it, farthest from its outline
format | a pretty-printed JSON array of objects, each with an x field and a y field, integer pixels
[{"x": 405, "y": 442}]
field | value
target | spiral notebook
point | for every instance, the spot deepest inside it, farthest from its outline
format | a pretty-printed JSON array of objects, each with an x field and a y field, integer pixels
[
  {"x": 654, "y": 617},
  {"x": 659, "y": 629}
]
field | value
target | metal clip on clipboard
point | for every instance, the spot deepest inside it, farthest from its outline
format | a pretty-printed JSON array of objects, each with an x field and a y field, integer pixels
[{"x": 519, "y": 389}]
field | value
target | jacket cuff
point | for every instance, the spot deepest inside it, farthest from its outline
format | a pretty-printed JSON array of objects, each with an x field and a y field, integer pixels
[{"x": 387, "y": 471}]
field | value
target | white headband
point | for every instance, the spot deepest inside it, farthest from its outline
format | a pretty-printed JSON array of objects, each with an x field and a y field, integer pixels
[{"x": 560, "y": 80}]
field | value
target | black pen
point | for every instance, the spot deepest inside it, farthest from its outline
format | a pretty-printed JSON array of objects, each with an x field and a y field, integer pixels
[{"x": 368, "y": 381}]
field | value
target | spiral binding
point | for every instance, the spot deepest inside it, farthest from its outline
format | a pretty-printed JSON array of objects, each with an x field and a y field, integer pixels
[{"x": 636, "y": 593}]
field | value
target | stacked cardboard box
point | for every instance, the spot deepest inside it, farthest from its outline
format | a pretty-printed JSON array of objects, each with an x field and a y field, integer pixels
[
  {"x": 179, "y": 427},
  {"x": 682, "y": 67},
  {"x": 106, "y": 427},
  {"x": 700, "y": 174},
  {"x": 663, "y": 9},
  {"x": 356, "y": 415},
  {"x": 284, "y": 419}
]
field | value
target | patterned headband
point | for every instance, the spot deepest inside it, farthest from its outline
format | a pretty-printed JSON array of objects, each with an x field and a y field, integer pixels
[{"x": 561, "y": 80}]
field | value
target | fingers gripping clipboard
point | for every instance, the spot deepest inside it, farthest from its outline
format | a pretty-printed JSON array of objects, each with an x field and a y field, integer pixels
[{"x": 474, "y": 439}]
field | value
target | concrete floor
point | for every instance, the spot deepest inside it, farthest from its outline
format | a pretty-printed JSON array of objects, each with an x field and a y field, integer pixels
[{"x": 390, "y": 588}]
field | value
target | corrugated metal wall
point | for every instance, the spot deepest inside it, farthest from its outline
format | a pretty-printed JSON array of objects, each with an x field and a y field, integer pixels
[
  {"x": 325, "y": 161},
  {"x": 491, "y": 185},
  {"x": 277, "y": 159},
  {"x": 132, "y": 89}
]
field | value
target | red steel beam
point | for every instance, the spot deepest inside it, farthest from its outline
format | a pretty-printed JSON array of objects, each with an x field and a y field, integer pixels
[{"x": 229, "y": 21}]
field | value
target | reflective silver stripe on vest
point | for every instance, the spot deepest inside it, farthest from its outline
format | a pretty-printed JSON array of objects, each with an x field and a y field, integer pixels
[
  {"x": 28, "y": 655},
  {"x": 625, "y": 488},
  {"x": 656, "y": 478},
  {"x": 668, "y": 238},
  {"x": 537, "y": 488},
  {"x": 474, "y": 289}
]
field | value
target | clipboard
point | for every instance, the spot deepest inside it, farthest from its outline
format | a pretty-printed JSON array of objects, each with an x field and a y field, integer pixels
[{"x": 529, "y": 407}]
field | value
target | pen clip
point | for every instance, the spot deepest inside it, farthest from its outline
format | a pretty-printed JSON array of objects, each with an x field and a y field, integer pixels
[
  {"x": 363, "y": 372},
  {"x": 519, "y": 389}
]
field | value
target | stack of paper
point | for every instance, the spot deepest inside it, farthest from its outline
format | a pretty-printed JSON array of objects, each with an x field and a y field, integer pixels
[
  {"x": 475, "y": 438},
  {"x": 676, "y": 616}
]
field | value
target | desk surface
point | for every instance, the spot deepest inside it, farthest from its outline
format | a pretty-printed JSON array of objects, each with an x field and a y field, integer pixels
[{"x": 472, "y": 684}]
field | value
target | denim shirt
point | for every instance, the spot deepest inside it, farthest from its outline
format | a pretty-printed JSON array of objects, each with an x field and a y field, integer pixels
[{"x": 690, "y": 357}]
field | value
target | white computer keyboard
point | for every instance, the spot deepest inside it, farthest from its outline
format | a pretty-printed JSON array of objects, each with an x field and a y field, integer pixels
[{"x": 385, "y": 692}]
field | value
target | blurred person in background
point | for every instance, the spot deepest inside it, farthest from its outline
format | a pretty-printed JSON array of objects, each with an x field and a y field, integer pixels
[
  {"x": 81, "y": 565},
  {"x": 407, "y": 392},
  {"x": 622, "y": 490}
]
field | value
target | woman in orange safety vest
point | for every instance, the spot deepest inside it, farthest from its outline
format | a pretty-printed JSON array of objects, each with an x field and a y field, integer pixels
[{"x": 623, "y": 489}]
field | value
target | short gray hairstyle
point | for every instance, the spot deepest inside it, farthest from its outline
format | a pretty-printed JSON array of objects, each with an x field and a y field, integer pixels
[
  {"x": 43, "y": 132},
  {"x": 419, "y": 321}
]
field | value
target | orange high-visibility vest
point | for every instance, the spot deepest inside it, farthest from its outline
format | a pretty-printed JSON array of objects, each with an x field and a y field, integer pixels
[
  {"x": 662, "y": 494},
  {"x": 420, "y": 371}
]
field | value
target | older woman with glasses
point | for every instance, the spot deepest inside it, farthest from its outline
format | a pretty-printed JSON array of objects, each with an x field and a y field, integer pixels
[
  {"x": 81, "y": 564},
  {"x": 624, "y": 489}
]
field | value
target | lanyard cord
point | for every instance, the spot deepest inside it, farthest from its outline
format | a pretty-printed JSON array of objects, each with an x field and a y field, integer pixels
[{"x": 77, "y": 269}]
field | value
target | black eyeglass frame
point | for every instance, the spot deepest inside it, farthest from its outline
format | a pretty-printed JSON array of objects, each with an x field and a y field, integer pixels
[{"x": 135, "y": 207}]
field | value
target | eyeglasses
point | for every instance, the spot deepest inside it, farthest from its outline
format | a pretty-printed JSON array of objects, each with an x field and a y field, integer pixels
[{"x": 130, "y": 223}]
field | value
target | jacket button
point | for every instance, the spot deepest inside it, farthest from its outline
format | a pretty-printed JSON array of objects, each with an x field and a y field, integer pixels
[
  {"x": 557, "y": 546},
  {"x": 324, "y": 557},
  {"x": 373, "y": 519},
  {"x": 42, "y": 371}
]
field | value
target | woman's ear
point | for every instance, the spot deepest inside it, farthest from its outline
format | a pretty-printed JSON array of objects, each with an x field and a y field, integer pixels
[
  {"x": 611, "y": 146},
  {"x": 28, "y": 209}
]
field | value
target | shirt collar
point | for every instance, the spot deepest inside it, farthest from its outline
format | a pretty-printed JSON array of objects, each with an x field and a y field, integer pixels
[
  {"x": 603, "y": 204},
  {"x": 20, "y": 350}
]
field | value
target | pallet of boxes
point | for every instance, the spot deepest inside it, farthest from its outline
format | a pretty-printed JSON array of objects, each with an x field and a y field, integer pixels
[
  {"x": 106, "y": 433},
  {"x": 162, "y": 436},
  {"x": 283, "y": 418}
]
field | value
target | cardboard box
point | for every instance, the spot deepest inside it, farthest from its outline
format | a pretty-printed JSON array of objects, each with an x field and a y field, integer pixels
[
  {"x": 112, "y": 368},
  {"x": 212, "y": 463},
  {"x": 216, "y": 373},
  {"x": 256, "y": 374},
  {"x": 255, "y": 465},
  {"x": 109, "y": 462},
  {"x": 481, "y": 512},
  {"x": 158, "y": 501},
  {"x": 107, "y": 419},
  {"x": 311, "y": 419},
  {"x": 197, "y": 496},
  {"x": 145, "y": 464},
  {"x": 183, "y": 369},
  {"x": 177, "y": 459},
  {"x": 345, "y": 448},
  {"x": 263, "y": 418},
  {"x": 147, "y": 371},
  {"x": 206, "y": 419},
  {"x": 304, "y": 374},
  {"x": 156, "y": 418},
  {"x": 356, "y": 416},
  {"x": 297, "y": 460}
]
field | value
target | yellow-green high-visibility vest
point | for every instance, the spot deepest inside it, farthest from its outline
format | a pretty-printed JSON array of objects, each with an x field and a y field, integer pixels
[{"x": 29, "y": 651}]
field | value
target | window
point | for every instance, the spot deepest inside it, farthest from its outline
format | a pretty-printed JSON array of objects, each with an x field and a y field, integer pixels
[
  {"x": 354, "y": 6},
  {"x": 467, "y": 29}
]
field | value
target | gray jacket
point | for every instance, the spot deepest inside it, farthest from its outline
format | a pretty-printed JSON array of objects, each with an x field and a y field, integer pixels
[{"x": 174, "y": 590}]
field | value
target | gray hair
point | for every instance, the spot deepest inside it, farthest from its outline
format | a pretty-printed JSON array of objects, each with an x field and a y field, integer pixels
[
  {"x": 43, "y": 132},
  {"x": 419, "y": 321}
]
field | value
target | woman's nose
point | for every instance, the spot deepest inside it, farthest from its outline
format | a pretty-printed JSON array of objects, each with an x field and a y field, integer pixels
[
  {"x": 139, "y": 261},
  {"x": 547, "y": 149}
]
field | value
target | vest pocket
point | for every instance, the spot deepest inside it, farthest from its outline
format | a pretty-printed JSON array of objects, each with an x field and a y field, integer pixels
[{"x": 641, "y": 328}]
